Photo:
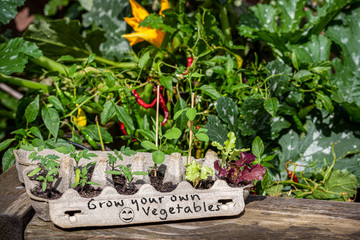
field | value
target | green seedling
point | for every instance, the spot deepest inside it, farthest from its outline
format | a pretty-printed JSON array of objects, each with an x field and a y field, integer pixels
[
  {"x": 124, "y": 170},
  {"x": 81, "y": 178},
  {"x": 77, "y": 157},
  {"x": 48, "y": 164},
  {"x": 158, "y": 156},
  {"x": 195, "y": 173}
]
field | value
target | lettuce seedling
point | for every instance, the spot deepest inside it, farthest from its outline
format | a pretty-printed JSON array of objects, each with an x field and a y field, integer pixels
[
  {"x": 236, "y": 166},
  {"x": 195, "y": 173}
]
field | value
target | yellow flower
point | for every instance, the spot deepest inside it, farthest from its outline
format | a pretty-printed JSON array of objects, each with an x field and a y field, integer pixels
[
  {"x": 152, "y": 36},
  {"x": 80, "y": 119}
]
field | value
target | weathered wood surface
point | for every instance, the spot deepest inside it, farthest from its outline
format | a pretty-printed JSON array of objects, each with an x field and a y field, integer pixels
[
  {"x": 15, "y": 209},
  {"x": 264, "y": 218}
]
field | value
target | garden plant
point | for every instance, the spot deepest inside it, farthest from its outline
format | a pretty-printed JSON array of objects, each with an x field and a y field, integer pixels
[{"x": 279, "y": 78}]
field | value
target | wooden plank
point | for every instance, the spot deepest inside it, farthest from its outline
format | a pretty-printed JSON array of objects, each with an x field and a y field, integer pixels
[
  {"x": 264, "y": 218},
  {"x": 15, "y": 209}
]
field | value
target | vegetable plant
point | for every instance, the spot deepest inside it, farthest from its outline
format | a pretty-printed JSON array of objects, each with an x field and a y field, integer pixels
[
  {"x": 123, "y": 170},
  {"x": 235, "y": 165},
  {"x": 49, "y": 165},
  {"x": 195, "y": 173},
  {"x": 80, "y": 173}
]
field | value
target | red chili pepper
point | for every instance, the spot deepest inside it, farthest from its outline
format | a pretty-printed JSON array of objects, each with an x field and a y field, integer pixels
[
  {"x": 164, "y": 108},
  {"x": 189, "y": 63},
  {"x": 122, "y": 128},
  {"x": 141, "y": 102}
]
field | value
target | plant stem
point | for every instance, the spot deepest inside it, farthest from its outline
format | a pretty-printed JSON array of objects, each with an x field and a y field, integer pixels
[
  {"x": 50, "y": 64},
  {"x": 224, "y": 21},
  {"x": 191, "y": 129},
  {"x": 98, "y": 128},
  {"x": 157, "y": 123},
  {"x": 24, "y": 83}
]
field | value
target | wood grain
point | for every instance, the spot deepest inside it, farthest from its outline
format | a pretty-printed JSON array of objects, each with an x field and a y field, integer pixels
[
  {"x": 264, "y": 218},
  {"x": 15, "y": 209}
]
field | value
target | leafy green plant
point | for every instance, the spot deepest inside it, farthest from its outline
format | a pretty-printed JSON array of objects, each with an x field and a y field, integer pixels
[
  {"x": 124, "y": 170},
  {"x": 329, "y": 183},
  {"x": 236, "y": 165},
  {"x": 195, "y": 173},
  {"x": 49, "y": 165},
  {"x": 80, "y": 174},
  {"x": 81, "y": 178}
]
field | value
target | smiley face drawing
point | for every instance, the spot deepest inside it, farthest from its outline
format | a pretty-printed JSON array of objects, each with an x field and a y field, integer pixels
[{"x": 127, "y": 215}]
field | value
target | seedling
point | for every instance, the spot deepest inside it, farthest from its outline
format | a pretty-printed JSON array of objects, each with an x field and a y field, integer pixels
[
  {"x": 81, "y": 178},
  {"x": 77, "y": 157},
  {"x": 48, "y": 164},
  {"x": 236, "y": 165},
  {"x": 124, "y": 170},
  {"x": 195, "y": 173}
]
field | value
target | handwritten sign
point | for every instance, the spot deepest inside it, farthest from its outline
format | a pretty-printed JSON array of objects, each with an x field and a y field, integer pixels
[{"x": 154, "y": 206}]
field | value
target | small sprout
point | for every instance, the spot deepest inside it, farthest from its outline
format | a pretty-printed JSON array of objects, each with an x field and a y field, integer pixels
[{"x": 195, "y": 173}]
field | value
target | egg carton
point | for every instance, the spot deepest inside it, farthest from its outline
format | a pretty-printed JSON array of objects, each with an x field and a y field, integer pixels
[{"x": 147, "y": 205}]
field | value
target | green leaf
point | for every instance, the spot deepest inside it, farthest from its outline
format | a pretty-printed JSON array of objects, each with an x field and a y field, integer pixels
[
  {"x": 257, "y": 147},
  {"x": 14, "y": 55},
  {"x": 158, "y": 157},
  {"x": 271, "y": 105},
  {"x": 29, "y": 148},
  {"x": 124, "y": 117},
  {"x": 32, "y": 110},
  {"x": 191, "y": 114},
  {"x": 9, "y": 10},
  {"x": 36, "y": 132},
  {"x": 149, "y": 135},
  {"x": 210, "y": 91},
  {"x": 144, "y": 59},
  {"x": 192, "y": 171},
  {"x": 140, "y": 173},
  {"x": 63, "y": 149},
  {"x": 8, "y": 159},
  {"x": 228, "y": 112},
  {"x": 61, "y": 37},
  {"x": 6, "y": 143},
  {"x": 156, "y": 21},
  {"x": 181, "y": 121},
  {"x": 253, "y": 116},
  {"x": 314, "y": 51},
  {"x": 350, "y": 164},
  {"x": 20, "y": 131},
  {"x": 114, "y": 172},
  {"x": 51, "y": 120},
  {"x": 148, "y": 145},
  {"x": 205, "y": 172},
  {"x": 303, "y": 75},
  {"x": 326, "y": 101},
  {"x": 310, "y": 150},
  {"x": 295, "y": 60},
  {"x": 277, "y": 124},
  {"x": 341, "y": 182},
  {"x": 166, "y": 82},
  {"x": 34, "y": 172},
  {"x": 178, "y": 113},
  {"x": 216, "y": 131},
  {"x": 93, "y": 132},
  {"x": 108, "y": 112},
  {"x": 229, "y": 143},
  {"x": 56, "y": 103},
  {"x": 346, "y": 80},
  {"x": 202, "y": 137},
  {"x": 52, "y": 7},
  {"x": 172, "y": 133},
  {"x": 110, "y": 19}
]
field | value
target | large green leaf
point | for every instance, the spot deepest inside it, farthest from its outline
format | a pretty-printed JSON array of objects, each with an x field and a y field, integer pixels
[
  {"x": 8, "y": 9},
  {"x": 124, "y": 117},
  {"x": 313, "y": 148},
  {"x": 93, "y": 132},
  {"x": 253, "y": 116},
  {"x": 109, "y": 15},
  {"x": 228, "y": 111},
  {"x": 351, "y": 164},
  {"x": 57, "y": 38},
  {"x": 314, "y": 51},
  {"x": 347, "y": 77},
  {"x": 278, "y": 77},
  {"x": 182, "y": 120},
  {"x": 32, "y": 111},
  {"x": 51, "y": 119},
  {"x": 280, "y": 24},
  {"x": 15, "y": 53},
  {"x": 216, "y": 130},
  {"x": 8, "y": 159}
]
